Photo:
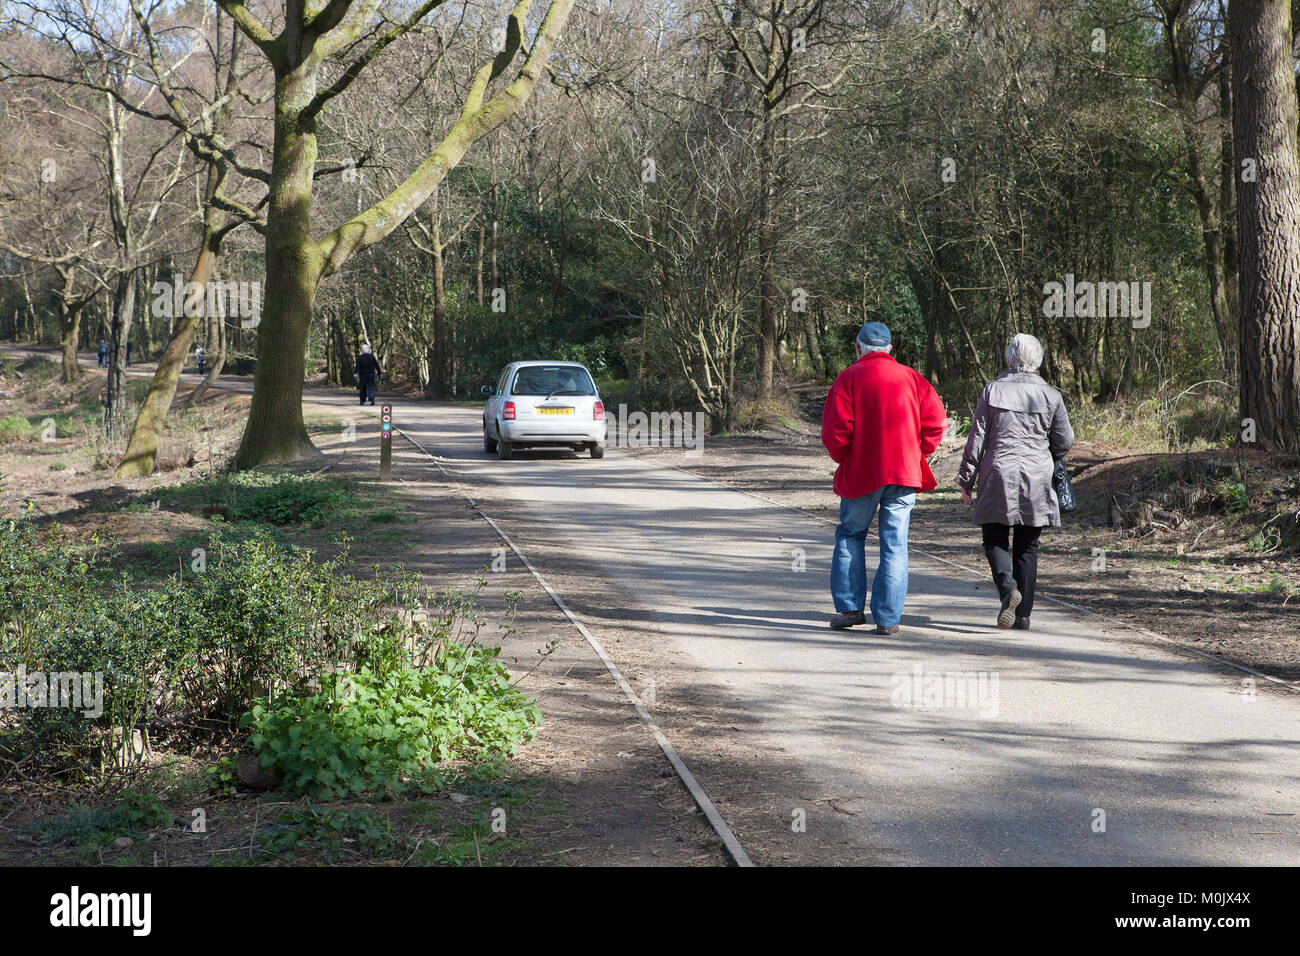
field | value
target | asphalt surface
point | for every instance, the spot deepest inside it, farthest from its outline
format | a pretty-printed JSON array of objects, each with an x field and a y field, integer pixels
[
  {"x": 1012, "y": 763},
  {"x": 1076, "y": 743}
]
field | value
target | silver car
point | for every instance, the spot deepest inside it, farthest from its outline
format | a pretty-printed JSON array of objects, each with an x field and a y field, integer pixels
[{"x": 544, "y": 405}]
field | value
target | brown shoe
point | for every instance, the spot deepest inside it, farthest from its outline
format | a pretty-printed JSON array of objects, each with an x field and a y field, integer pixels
[
  {"x": 1008, "y": 615},
  {"x": 848, "y": 619},
  {"x": 885, "y": 631}
]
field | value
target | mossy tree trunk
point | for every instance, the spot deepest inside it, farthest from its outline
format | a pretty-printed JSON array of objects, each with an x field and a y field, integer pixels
[
  {"x": 71, "y": 328},
  {"x": 142, "y": 450},
  {"x": 275, "y": 429},
  {"x": 146, "y": 435},
  {"x": 71, "y": 307},
  {"x": 119, "y": 337}
]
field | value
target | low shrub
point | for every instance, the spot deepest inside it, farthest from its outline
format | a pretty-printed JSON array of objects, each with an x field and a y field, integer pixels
[
  {"x": 268, "y": 497},
  {"x": 253, "y": 623},
  {"x": 286, "y": 499},
  {"x": 15, "y": 428},
  {"x": 132, "y": 814},
  {"x": 328, "y": 833}
]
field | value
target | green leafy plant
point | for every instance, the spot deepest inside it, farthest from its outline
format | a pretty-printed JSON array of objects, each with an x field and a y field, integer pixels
[
  {"x": 328, "y": 833},
  {"x": 222, "y": 774},
  {"x": 1233, "y": 496},
  {"x": 378, "y": 732},
  {"x": 287, "y": 499},
  {"x": 274, "y": 498}
]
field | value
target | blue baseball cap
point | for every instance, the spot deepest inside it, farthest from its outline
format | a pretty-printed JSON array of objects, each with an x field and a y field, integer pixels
[{"x": 874, "y": 333}]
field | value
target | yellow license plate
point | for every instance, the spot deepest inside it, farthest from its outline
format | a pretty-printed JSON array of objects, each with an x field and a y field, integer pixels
[{"x": 554, "y": 410}]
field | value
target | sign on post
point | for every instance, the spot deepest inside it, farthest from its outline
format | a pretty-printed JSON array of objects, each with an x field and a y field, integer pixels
[{"x": 386, "y": 443}]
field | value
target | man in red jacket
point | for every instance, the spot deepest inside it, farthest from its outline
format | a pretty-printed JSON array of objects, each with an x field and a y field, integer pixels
[{"x": 881, "y": 420}]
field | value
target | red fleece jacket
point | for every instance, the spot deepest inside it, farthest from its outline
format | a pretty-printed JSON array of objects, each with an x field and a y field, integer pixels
[{"x": 881, "y": 421}]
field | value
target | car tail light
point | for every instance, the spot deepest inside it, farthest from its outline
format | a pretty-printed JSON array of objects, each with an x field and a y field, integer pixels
[
  {"x": 508, "y": 413},
  {"x": 598, "y": 411}
]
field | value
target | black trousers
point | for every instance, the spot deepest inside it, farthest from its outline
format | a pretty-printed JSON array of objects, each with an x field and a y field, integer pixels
[
  {"x": 366, "y": 388},
  {"x": 1013, "y": 558}
]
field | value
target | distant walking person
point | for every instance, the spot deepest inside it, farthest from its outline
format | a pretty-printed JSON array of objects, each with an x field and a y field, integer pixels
[
  {"x": 881, "y": 420},
  {"x": 367, "y": 372},
  {"x": 200, "y": 358},
  {"x": 102, "y": 351},
  {"x": 1019, "y": 432},
  {"x": 128, "y": 353}
]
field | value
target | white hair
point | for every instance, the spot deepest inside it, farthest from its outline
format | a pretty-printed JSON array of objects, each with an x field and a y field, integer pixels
[
  {"x": 1024, "y": 353},
  {"x": 365, "y": 347},
  {"x": 864, "y": 348}
]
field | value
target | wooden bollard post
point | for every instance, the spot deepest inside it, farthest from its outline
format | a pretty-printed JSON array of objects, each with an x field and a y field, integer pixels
[{"x": 386, "y": 443}]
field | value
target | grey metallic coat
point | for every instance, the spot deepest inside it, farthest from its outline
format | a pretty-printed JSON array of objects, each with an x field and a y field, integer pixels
[{"x": 1019, "y": 430}]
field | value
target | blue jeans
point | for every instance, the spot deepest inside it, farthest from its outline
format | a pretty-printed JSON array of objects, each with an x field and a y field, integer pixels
[{"x": 849, "y": 563}]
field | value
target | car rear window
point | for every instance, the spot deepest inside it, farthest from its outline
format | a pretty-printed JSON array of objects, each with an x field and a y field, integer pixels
[{"x": 546, "y": 380}]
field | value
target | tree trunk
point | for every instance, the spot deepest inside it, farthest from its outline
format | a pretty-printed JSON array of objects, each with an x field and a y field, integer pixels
[
  {"x": 1227, "y": 204},
  {"x": 493, "y": 263},
  {"x": 342, "y": 355},
  {"x": 814, "y": 345},
  {"x": 71, "y": 325},
  {"x": 171, "y": 319},
  {"x": 70, "y": 309},
  {"x": 767, "y": 256},
  {"x": 331, "y": 352},
  {"x": 275, "y": 429},
  {"x": 437, "y": 356},
  {"x": 1213, "y": 225},
  {"x": 1268, "y": 218},
  {"x": 31, "y": 310},
  {"x": 146, "y": 330},
  {"x": 70, "y": 328},
  {"x": 123, "y": 310},
  {"x": 452, "y": 380},
  {"x": 142, "y": 450},
  {"x": 478, "y": 268},
  {"x": 146, "y": 435}
]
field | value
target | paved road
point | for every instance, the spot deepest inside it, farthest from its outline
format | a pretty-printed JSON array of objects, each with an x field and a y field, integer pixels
[
  {"x": 1188, "y": 769},
  {"x": 1083, "y": 717}
]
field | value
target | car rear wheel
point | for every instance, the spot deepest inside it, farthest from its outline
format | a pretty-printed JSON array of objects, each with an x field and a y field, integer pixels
[
  {"x": 489, "y": 445},
  {"x": 597, "y": 451},
  {"x": 505, "y": 450}
]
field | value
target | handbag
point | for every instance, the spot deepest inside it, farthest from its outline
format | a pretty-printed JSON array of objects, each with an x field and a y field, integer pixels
[{"x": 1063, "y": 486}]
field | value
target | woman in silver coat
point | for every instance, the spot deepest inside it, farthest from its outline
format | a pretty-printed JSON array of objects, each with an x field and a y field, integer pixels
[{"x": 1019, "y": 431}]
